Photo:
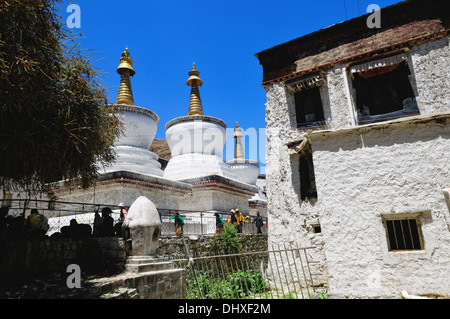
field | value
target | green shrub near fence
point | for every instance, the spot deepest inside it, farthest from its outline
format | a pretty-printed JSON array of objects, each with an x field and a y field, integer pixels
[
  {"x": 227, "y": 241},
  {"x": 239, "y": 284}
]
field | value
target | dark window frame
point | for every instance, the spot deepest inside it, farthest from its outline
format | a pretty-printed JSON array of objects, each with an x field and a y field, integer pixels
[
  {"x": 307, "y": 177},
  {"x": 308, "y": 103},
  {"x": 403, "y": 234},
  {"x": 383, "y": 94},
  {"x": 317, "y": 229}
]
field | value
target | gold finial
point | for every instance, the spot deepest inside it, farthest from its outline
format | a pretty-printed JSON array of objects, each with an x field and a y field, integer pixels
[
  {"x": 125, "y": 69},
  {"x": 195, "y": 103},
  {"x": 126, "y": 64},
  {"x": 238, "y": 149},
  {"x": 126, "y": 53}
]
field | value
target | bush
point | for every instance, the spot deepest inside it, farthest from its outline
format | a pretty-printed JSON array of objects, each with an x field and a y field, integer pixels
[
  {"x": 227, "y": 240},
  {"x": 238, "y": 284}
]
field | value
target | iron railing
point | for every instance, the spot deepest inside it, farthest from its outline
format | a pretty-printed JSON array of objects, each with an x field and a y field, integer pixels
[{"x": 282, "y": 272}]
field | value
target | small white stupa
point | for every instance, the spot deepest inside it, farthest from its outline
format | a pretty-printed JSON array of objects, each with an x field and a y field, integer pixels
[
  {"x": 245, "y": 170},
  {"x": 196, "y": 141},
  {"x": 139, "y": 129}
]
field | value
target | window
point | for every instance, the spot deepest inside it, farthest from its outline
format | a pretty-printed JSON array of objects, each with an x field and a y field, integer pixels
[
  {"x": 316, "y": 229},
  {"x": 307, "y": 178},
  {"x": 308, "y": 107},
  {"x": 403, "y": 234},
  {"x": 384, "y": 93}
]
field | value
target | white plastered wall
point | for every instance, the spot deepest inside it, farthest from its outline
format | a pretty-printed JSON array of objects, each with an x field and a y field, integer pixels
[{"x": 405, "y": 171}]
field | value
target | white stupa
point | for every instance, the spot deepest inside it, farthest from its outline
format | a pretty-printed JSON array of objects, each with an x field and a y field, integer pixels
[
  {"x": 196, "y": 141},
  {"x": 245, "y": 170},
  {"x": 196, "y": 179},
  {"x": 139, "y": 129}
]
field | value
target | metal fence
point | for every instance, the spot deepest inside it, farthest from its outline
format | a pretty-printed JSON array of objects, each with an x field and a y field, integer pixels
[
  {"x": 273, "y": 274},
  {"x": 279, "y": 273},
  {"x": 60, "y": 213}
]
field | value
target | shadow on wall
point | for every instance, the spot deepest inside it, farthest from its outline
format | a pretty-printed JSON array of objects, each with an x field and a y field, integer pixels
[{"x": 383, "y": 135}]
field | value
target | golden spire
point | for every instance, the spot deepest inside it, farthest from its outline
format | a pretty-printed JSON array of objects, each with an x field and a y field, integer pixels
[
  {"x": 238, "y": 149},
  {"x": 195, "y": 103},
  {"x": 125, "y": 69}
]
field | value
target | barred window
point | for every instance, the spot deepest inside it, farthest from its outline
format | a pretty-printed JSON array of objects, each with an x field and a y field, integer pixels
[{"x": 403, "y": 234}]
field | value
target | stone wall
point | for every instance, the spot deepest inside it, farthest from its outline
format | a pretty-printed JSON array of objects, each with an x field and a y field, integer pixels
[
  {"x": 24, "y": 259},
  {"x": 163, "y": 284},
  {"x": 201, "y": 246},
  {"x": 91, "y": 254}
]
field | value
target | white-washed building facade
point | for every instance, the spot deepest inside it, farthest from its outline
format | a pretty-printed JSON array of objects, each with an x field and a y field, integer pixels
[{"x": 358, "y": 148}]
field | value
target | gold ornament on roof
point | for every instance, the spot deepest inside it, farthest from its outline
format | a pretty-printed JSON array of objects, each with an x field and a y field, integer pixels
[
  {"x": 125, "y": 69},
  {"x": 126, "y": 63},
  {"x": 195, "y": 102}
]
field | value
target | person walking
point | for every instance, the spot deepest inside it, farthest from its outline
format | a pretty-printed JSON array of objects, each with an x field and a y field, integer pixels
[
  {"x": 233, "y": 219},
  {"x": 123, "y": 212},
  {"x": 240, "y": 219},
  {"x": 122, "y": 216},
  {"x": 219, "y": 223},
  {"x": 107, "y": 227},
  {"x": 179, "y": 223},
  {"x": 259, "y": 223},
  {"x": 36, "y": 225}
]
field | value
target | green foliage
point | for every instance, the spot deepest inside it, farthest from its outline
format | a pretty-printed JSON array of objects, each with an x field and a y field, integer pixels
[
  {"x": 323, "y": 295},
  {"x": 239, "y": 284},
  {"x": 228, "y": 240},
  {"x": 55, "y": 122}
]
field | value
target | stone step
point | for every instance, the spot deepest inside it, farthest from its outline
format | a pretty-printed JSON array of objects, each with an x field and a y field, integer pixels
[
  {"x": 146, "y": 285},
  {"x": 143, "y": 259},
  {"x": 148, "y": 267},
  {"x": 166, "y": 271}
]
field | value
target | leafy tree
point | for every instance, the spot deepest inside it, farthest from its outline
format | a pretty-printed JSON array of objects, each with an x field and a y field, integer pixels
[{"x": 55, "y": 122}]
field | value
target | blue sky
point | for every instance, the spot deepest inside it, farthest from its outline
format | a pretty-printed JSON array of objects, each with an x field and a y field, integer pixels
[{"x": 222, "y": 37}]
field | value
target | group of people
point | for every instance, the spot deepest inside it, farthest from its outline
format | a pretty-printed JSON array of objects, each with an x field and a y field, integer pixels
[
  {"x": 238, "y": 219},
  {"x": 103, "y": 225},
  {"x": 33, "y": 226},
  {"x": 36, "y": 225}
]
